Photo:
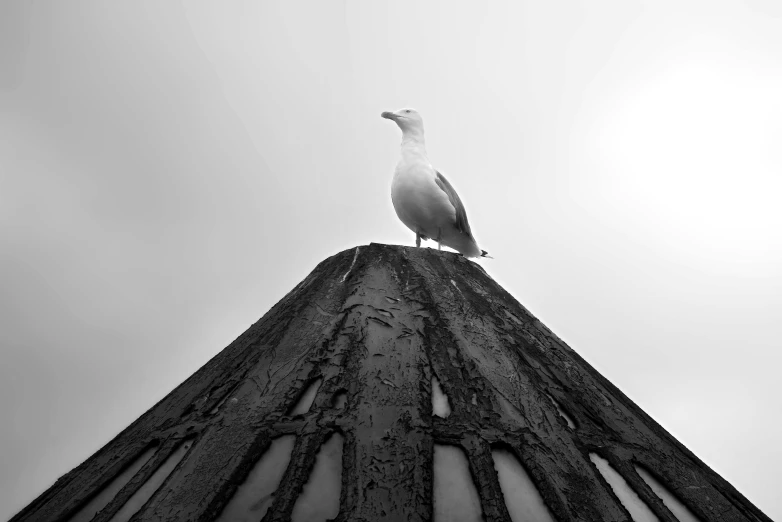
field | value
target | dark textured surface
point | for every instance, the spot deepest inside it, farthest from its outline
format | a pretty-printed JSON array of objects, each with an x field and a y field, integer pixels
[{"x": 376, "y": 322}]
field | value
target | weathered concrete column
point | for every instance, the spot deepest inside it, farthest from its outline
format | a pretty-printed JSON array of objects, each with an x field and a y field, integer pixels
[{"x": 326, "y": 409}]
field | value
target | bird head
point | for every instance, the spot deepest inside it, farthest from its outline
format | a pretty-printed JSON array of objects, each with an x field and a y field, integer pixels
[{"x": 408, "y": 120}]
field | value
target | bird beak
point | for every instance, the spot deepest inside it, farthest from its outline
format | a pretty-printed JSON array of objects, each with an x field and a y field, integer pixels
[{"x": 389, "y": 115}]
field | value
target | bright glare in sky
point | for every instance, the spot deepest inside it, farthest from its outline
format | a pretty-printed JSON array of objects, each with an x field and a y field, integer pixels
[{"x": 690, "y": 152}]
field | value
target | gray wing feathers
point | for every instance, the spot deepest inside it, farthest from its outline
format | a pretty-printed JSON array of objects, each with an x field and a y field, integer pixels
[{"x": 461, "y": 214}]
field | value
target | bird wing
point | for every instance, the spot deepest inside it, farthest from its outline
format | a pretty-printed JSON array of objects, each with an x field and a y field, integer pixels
[{"x": 461, "y": 214}]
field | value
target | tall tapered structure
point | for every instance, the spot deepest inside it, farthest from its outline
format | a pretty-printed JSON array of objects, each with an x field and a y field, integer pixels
[{"x": 394, "y": 384}]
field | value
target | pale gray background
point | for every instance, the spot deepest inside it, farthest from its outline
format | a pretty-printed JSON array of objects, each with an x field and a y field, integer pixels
[{"x": 168, "y": 171}]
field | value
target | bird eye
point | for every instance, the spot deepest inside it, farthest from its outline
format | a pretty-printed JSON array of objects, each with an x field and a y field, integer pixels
[{"x": 408, "y": 111}]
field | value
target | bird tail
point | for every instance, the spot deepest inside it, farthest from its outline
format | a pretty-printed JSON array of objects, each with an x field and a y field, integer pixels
[{"x": 485, "y": 254}]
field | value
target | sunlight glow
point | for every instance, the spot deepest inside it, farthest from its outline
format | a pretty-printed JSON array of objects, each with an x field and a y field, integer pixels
[{"x": 693, "y": 167}]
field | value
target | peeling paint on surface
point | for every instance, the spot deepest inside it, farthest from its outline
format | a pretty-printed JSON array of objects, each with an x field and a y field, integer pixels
[
  {"x": 384, "y": 313},
  {"x": 570, "y": 422},
  {"x": 149, "y": 488},
  {"x": 511, "y": 410},
  {"x": 638, "y": 510},
  {"x": 522, "y": 498},
  {"x": 322, "y": 312},
  {"x": 355, "y": 256},
  {"x": 380, "y": 322},
  {"x": 306, "y": 399},
  {"x": 455, "y": 496},
  {"x": 253, "y": 498},
  {"x": 679, "y": 510},
  {"x": 340, "y": 400},
  {"x": 106, "y": 494},
  {"x": 319, "y": 500},
  {"x": 227, "y": 396},
  {"x": 378, "y": 340},
  {"x": 453, "y": 355},
  {"x": 513, "y": 318},
  {"x": 440, "y": 406},
  {"x": 227, "y": 401}
]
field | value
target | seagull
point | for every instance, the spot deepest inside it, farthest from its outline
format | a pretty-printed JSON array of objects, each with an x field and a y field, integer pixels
[{"x": 423, "y": 199}]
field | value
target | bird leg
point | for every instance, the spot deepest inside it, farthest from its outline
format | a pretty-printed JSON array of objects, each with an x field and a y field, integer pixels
[
  {"x": 418, "y": 240},
  {"x": 439, "y": 238}
]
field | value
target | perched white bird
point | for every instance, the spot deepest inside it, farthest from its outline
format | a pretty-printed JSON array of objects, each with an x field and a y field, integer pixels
[{"x": 423, "y": 199}]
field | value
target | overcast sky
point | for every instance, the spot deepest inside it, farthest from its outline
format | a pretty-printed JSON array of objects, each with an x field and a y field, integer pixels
[{"x": 169, "y": 170}]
